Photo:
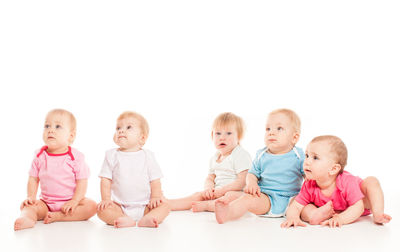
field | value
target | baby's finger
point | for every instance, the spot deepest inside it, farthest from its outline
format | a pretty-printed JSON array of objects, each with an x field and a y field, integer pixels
[{"x": 258, "y": 192}]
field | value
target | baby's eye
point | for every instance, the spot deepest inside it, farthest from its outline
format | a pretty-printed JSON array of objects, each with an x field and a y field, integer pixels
[
  {"x": 58, "y": 126},
  {"x": 315, "y": 158},
  {"x": 46, "y": 126},
  {"x": 306, "y": 155},
  {"x": 118, "y": 128},
  {"x": 218, "y": 133},
  {"x": 268, "y": 129},
  {"x": 229, "y": 133},
  {"x": 280, "y": 128},
  {"x": 129, "y": 127}
]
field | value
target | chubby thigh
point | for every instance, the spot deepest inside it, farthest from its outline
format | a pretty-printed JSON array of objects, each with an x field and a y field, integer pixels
[{"x": 259, "y": 205}]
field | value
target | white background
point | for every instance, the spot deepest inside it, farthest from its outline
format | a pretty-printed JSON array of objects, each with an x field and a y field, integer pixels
[{"x": 181, "y": 63}]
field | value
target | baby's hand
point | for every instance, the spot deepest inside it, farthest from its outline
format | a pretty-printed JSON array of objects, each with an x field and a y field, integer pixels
[
  {"x": 69, "y": 207},
  {"x": 335, "y": 221},
  {"x": 104, "y": 204},
  {"x": 154, "y": 202},
  {"x": 293, "y": 222},
  {"x": 252, "y": 189},
  {"x": 208, "y": 194},
  {"x": 28, "y": 202},
  {"x": 218, "y": 193}
]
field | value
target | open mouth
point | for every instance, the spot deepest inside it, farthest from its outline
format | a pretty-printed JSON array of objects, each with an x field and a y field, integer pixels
[
  {"x": 222, "y": 144},
  {"x": 307, "y": 170}
]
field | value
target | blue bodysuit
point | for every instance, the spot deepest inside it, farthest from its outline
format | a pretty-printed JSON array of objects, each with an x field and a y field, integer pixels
[{"x": 279, "y": 176}]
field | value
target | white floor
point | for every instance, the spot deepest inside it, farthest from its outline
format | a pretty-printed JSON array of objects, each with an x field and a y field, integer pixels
[{"x": 186, "y": 231}]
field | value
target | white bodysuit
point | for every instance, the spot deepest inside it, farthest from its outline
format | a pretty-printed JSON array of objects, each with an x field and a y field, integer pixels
[{"x": 131, "y": 174}]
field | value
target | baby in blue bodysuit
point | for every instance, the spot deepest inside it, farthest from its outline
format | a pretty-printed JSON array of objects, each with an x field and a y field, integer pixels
[{"x": 276, "y": 174}]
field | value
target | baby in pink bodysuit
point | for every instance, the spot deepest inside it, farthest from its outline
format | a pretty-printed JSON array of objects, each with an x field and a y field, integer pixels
[
  {"x": 62, "y": 174},
  {"x": 332, "y": 196}
]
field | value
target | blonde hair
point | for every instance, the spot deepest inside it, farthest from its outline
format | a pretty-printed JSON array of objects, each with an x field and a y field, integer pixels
[
  {"x": 144, "y": 126},
  {"x": 338, "y": 148},
  {"x": 293, "y": 117},
  {"x": 71, "y": 118},
  {"x": 229, "y": 118}
]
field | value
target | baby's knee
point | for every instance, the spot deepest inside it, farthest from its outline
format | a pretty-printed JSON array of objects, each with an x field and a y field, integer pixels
[{"x": 371, "y": 181}]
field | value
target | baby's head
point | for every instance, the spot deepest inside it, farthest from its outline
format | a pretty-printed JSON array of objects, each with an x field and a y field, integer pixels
[
  {"x": 325, "y": 156},
  {"x": 282, "y": 131},
  {"x": 227, "y": 131},
  {"x": 59, "y": 130},
  {"x": 131, "y": 132}
]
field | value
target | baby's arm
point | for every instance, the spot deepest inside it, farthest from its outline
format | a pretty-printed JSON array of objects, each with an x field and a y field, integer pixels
[
  {"x": 79, "y": 194},
  {"x": 293, "y": 215},
  {"x": 105, "y": 190},
  {"x": 209, "y": 185},
  {"x": 236, "y": 185},
  {"x": 351, "y": 214},
  {"x": 252, "y": 185},
  {"x": 33, "y": 183},
  {"x": 156, "y": 194}
]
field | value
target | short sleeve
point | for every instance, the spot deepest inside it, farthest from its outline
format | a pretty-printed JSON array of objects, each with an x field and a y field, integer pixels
[
  {"x": 304, "y": 197},
  {"x": 35, "y": 168},
  {"x": 153, "y": 167},
  {"x": 242, "y": 161},
  {"x": 81, "y": 168},
  {"x": 255, "y": 167},
  {"x": 351, "y": 189},
  {"x": 107, "y": 168}
]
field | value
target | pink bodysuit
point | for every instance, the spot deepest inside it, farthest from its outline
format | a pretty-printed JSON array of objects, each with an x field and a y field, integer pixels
[
  {"x": 57, "y": 175},
  {"x": 347, "y": 192}
]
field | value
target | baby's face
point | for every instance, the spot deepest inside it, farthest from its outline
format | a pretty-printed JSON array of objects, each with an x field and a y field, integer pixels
[
  {"x": 57, "y": 133},
  {"x": 128, "y": 135},
  {"x": 225, "y": 139},
  {"x": 280, "y": 136},
  {"x": 319, "y": 161}
]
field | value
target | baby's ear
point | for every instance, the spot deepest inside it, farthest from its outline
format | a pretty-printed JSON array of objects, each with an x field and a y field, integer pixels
[
  {"x": 296, "y": 137},
  {"x": 72, "y": 137},
  {"x": 335, "y": 169}
]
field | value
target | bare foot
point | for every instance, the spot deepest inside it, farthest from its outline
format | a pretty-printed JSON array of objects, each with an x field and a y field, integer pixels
[
  {"x": 199, "y": 206},
  {"x": 322, "y": 213},
  {"x": 52, "y": 217},
  {"x": 23, "y": 223},
  {"x": 124, "y": 221},
  {"x": 221, "y": 211},
  {"x": 148, "y": 222},
  {"x": 382, "y": 218}
]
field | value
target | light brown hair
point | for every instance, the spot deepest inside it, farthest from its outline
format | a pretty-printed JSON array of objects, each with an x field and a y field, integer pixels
[{"x": 229, "y": 118}]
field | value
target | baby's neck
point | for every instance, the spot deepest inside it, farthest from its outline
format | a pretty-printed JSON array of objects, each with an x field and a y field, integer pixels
[
  {"x": 279, "y": 152},
  {"x": 327, "y": 187},
  {"x": 59, "y": 150}
]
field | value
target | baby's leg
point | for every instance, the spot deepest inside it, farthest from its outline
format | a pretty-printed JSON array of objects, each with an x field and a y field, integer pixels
[
  {"x": 85, "y": 209},
  {"x": 237, "y": 208},
  {"x": 184, "y": 203},
  {"x": 30, "y": 214},
  {"x": 110, "y": 214},
  {"x": 209, "y": 205},
  {"x": 374, "y": 199},
  {"x": 315, "y": 215},
  {"x": 154, "y": 216},
  {"x": 203, "y": 206}
]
